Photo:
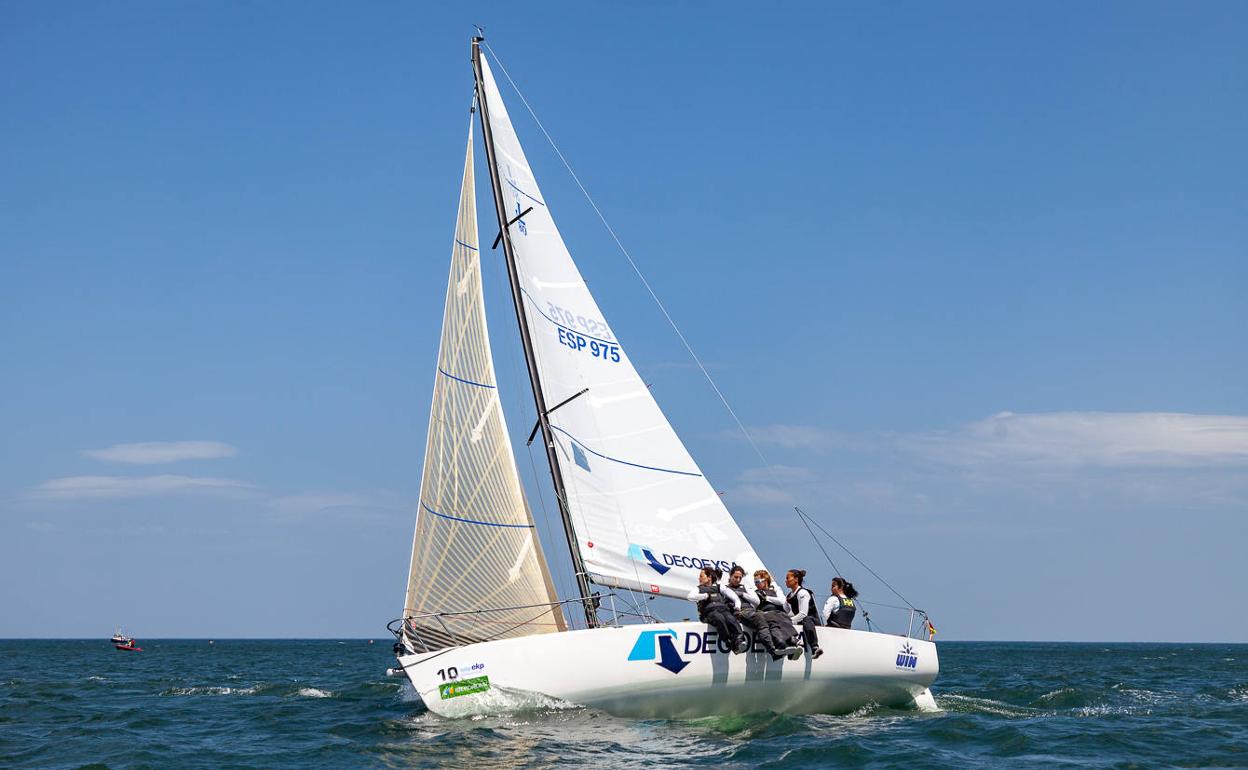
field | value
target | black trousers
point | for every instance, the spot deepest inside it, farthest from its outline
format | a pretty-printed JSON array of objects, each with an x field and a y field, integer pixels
[
  {"x": 775, "y": 630},
  {"x": 752, "y": 620},
  {"x": 722, "y": 620},
  {"x": 808, "y": 632}
]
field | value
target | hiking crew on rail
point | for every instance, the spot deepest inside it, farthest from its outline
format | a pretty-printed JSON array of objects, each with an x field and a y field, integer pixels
[
  {"x": 801, "y": 601},
  {"x": 774, "y": 617},
  {"x": 718, "y": 607},
  {"x": 839, "y": 609},
  {"x": 763, "y": 611}
]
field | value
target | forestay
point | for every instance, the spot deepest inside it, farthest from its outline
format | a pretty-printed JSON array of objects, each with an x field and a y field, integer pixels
[
  {"x": 475, "y": 546},
  {"x": 645, "y": 518}
]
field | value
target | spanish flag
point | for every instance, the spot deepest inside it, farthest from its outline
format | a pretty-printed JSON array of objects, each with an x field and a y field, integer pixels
[{"x": 931, "y": 630}]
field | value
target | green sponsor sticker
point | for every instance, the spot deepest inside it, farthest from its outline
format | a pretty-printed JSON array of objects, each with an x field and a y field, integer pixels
[{"x": 464, "y": 687}]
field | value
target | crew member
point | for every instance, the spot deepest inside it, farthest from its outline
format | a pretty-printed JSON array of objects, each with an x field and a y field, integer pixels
[
  {"x": 717, "y": 607},
  {"x": 749, "y": 599},
  {"x": 775, "y": 630},
  {"x": 802, "y": 609},
  {"x": 839, "y": 609}
]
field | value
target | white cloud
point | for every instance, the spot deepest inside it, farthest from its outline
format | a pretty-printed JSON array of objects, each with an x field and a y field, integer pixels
[
  {"x": 1019, "y": 461},
  {"x": 794, "y": 436},
  {"x": 678, "y": 365},
  {"x": 1091, "y": 439},
  {"x": 776, "y": 474},
  {"x": 117, "y": 487},
  {"x": 311, "y": 502},
  {"x": 762, "y": 494},
  {"x": 155, "y": 452},
  {"x": 770, "y": 485}
]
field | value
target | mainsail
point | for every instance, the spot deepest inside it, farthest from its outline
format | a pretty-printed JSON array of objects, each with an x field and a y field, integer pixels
[
  {"x": 475, "y": 546},
  {"x": 645, "y": 517}
]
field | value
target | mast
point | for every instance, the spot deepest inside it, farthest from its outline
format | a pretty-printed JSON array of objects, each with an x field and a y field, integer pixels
[{"x": 556, "y": 475}]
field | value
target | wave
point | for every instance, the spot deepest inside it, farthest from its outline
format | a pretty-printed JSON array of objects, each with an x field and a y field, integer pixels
[
  {"x": 498, "y": 700},
  {"x": 264, "y": 688},
  {"x": 212, "y": 690},
  {"x": 968, "y": 704}
]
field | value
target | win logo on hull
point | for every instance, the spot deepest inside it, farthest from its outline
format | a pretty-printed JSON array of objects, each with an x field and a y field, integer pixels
[{"x": 907, "y": 659}]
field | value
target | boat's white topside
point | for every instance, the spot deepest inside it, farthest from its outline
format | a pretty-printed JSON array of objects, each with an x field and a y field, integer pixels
[{"x": 672, "y": 670}]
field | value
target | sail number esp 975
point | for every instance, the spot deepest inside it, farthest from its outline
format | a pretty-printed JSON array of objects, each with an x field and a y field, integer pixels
[{"x": 578, "y": 342}]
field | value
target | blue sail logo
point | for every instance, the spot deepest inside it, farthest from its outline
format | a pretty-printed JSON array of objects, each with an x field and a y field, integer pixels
[{"x": 642, "y": 554}]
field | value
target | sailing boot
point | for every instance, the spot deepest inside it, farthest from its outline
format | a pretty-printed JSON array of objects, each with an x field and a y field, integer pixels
[{"x": 769, "y": 646}]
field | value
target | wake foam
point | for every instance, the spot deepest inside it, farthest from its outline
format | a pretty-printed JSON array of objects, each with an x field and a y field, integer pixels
[
  {"x": 971, "y": 705},
  {"x": 211, "y": 691},
  {"x": 498, "y": 700}
]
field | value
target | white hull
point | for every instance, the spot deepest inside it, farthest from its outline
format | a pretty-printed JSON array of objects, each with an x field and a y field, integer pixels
[{"x": 664, "y": 670}]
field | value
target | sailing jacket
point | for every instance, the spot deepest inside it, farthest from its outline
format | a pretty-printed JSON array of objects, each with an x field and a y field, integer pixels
[
  {"x": 770, "y": 600},
  {"x": 799, "y": 604},
  {"x": 838, "y": 612},
  {"x": 745, "y": 595},
  {"x": 705, "y": 601}
]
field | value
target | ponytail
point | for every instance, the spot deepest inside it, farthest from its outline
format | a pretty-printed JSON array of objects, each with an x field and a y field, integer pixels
[
  {"x": 799, "y": 574},
  {"x": 846, "y": 587}
]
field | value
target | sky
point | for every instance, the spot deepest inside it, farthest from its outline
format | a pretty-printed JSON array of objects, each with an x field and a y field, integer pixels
[{"x": 973, "y": 276}]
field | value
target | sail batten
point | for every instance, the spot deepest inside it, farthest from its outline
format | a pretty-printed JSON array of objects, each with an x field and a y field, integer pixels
[
  {"x": 475, "y": 546},
  {"x": 643, "y": 514}
]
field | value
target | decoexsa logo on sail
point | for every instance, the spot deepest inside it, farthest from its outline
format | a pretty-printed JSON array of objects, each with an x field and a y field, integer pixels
[{"x": 665, "y": 561}]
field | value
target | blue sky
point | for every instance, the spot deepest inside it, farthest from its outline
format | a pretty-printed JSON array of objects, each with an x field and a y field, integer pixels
[{"x": 974, "y": 276}]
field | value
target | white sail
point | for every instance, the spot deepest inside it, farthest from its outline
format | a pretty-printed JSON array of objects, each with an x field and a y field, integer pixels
[
  {"x": 475, "y": 546},
  {"x": 644, "y": 516}
]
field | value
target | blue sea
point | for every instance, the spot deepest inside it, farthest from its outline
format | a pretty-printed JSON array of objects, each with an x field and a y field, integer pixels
[{"x": 329, "y": 704}]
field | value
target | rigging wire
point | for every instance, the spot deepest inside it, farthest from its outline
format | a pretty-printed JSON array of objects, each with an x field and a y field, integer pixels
[
  {"x": 649, "y": 289},
  {"x": 818, "y": 542},
  {"x": 832, "y": 537},
  {"x": 672, "y": 322}
]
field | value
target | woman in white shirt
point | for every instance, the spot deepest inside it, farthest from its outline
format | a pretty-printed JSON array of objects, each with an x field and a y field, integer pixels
[
  {"x": 718, "y": 607},
  {"x": 839, "y": 609},
  {"x": 801, "y": 608},
  {"x": 775, "y": 630}
]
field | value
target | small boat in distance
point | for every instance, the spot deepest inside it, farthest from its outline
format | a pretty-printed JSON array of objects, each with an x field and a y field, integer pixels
[{"x": 122, "y": 642}]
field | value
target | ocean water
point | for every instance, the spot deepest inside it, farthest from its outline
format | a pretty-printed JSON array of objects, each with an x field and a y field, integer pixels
[{"x": 328, "y": 704}]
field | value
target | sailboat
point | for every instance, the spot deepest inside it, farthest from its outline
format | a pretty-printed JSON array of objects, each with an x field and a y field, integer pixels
[{"x": 483, "y": 629}]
